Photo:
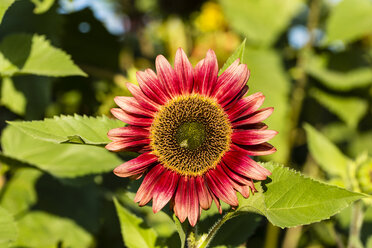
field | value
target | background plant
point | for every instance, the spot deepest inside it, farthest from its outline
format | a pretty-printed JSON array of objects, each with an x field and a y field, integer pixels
[{"x": 312, "y": 60}]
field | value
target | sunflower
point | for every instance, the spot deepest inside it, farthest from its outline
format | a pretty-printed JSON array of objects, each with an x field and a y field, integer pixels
[{"x": 195, "y": 132}]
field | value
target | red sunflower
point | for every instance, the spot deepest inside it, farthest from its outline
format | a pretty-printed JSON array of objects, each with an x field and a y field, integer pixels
[{"x": 194, "y": 131}]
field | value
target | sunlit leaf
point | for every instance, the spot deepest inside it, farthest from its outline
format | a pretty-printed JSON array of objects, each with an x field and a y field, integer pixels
[
  {"x": 238, "y": 54},
  {"x": 20, "y": 192},
  {"x": 338, "y": 80},
  {"x": 260, "y": 21},
  {"x": 42, "y": 6},
  {"x": 26, "y": 54},
  {"x": 4, "y": 5},
  {"x": 269, "y": 77},
  {"x": 8, "y": 228},
  {"x": 348, "y": 109},
  {"x": 12, "y": 98},
  {"x": 42, "y": 229},
  {"x": 70, "y": 129},
  {"x": 290, "y": 199},
  {"x": 325, "y": 153},
  {"x": 349, "y": 20},
  {"x": 135, "y": 233},
  {"x": 60, "y": 160}
]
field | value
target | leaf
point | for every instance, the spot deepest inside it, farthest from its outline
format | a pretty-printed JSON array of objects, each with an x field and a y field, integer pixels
[
  {"x": 70, "y": 129},
  {"x": 26, "y": 54},
  {"x": 348, "y": 109},
  {"x": 181, "y": 229},
  {"x": 349, "y": 20},
  {"x": 289, "y": 199},
  {"x": 42, "y": 6},
  {"x": 4, "y": 5},
  {"x": 135, "y": 233},
  {"x": 60, "y": 160},
  {"x": 12, "y": 98},
  {"x": 325, "y": 153},
  {"x": 41, "y": 229},
  {"x": 338, "y": 80},
  {"x": 237, "y": 54},
  {"x": 20, "y": 192},
  {"x": 8, "y": 228},
  {"x": 260, "y": 21},
  {"x": 268, "y": 76}
]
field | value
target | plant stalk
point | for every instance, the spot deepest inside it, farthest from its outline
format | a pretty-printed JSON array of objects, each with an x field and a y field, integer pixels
[{"x": 356, "y": 225}]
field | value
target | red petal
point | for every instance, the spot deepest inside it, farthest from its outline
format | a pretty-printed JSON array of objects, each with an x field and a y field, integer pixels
[
  {"x": 193, "y": 208},
  {"x": 255, "y": 150},
  {"x": 124, "y": 144},
  {"x": 252, "y": 137},
  {"x": 245, "y": 166},
  {"x": 164, "y": 190},
  {"x": 127, "y": 118},
  {"x": 246, "y": 105},
  {"x": 167, "y": 76},
  {"x": 181, "y": 200},
  {"x": 206, "y": 74},
  {"x": 220, "y": 185},
  {"x": 129, "y": 131},
  {"x": 184, "y": 71},
  {"x": 130, "y": 105},
  {"x": 205, "y": 198},
  {"x": 151, "y": 86},
  {"x": 136, "y": 165},
  {"x": 256, "y": 117},
  {"x": 141, "y": 98},
  {"x": 144, "y": 193}
]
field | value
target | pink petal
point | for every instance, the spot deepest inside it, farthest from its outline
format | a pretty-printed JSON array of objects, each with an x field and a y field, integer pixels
[
  {"x": 164, "y": 190},
  {"x": 141, "y": 98},
  {"x": 205, "y": 198},
  {"x": 245, "y": 166},
  {"x": 184, "y": 71},
  {"x": 181, "y": 200},
  {"x": 235, "y": 176},
  {"x": 252, "y": 137},
  {"x": 124, "y": 144},
  {"x": 193, "y": 208},
  {"x": 255, "y": 150},
  {"x": 246, "y": 105},
  {"x": 220, "y": 185},
  {"x": 167, "y": 76},
  {"x": 130, "y": 105},
  {"x": 151, "y": 86},
  {"x": 129, "y": 131},
  {"x": 127, "y": 118},
  {"x": 145, "y": 191},
  {"x": 256, "y": 117},
  {"x": 136, "y": 165},
  {"x": 206, "y": 74}
]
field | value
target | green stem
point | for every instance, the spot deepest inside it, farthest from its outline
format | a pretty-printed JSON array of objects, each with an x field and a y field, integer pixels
[
  {"x": 204, "y": 241},
  {"x": 356, "y": 225}
]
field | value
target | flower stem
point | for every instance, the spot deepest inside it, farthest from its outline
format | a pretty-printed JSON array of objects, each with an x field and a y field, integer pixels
[{"x": 356, "y": 225}]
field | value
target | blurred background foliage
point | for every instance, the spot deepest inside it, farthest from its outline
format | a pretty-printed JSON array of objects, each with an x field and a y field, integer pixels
[{"x": 311, "y": 59}]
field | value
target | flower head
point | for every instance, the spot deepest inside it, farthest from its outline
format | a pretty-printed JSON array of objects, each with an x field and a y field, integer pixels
[{"x": 194, "y": 131}]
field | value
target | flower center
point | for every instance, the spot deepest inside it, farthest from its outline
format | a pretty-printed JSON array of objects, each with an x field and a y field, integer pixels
[{"x": 190, "y": 134}]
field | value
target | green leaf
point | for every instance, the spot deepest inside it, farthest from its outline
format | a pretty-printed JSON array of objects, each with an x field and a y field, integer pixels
[
  {"x": 20, "y": 193},
  {"x": 4, "y": 5},
  {"x": 338, "y": 80},
  {"x": 349, "y": 21},
  {"x": 238, "y": 54},
  {"x": 70, "y": 129},
  {"x": 8, "y": 229},
  {"x": 260, "y": 21},
  {"x": 41, "y": 229},
  {"x": 135, "y": 233},
  {"x": 348, "y": 109},
  {"x": 268, "y": 76},
  {"x": 289, "y": 199},
  {"x": 325, "y": 153},
  {"x": 60, "y": 160},
  {"x": 42, "y": 6},
  {"x": 12, "y": 98},
  {"x": 26, "y": 54},
  {"x": 181, "y": 229}
]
